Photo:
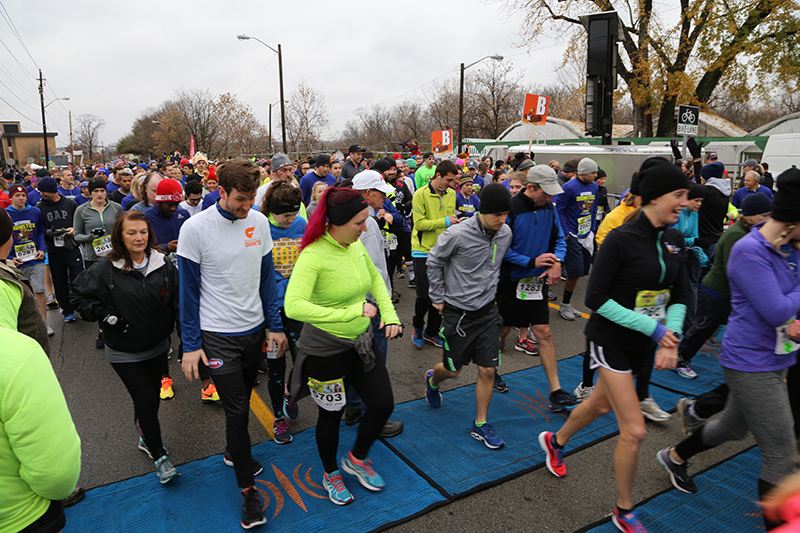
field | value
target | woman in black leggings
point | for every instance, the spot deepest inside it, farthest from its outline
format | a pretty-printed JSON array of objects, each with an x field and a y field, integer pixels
[
  {"x": 133, "y": 293},
  {"x": 327, "y": 291}
]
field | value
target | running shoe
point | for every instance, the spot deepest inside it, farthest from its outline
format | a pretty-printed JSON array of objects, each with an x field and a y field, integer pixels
[
  {"x": 651, "y": 410},
  {"x": 417, "y": 338},
  {"x": 554, "y": 457},
  {"x": 582, "y": 393},
  {"x": 337, "y": 492},
  {"x": 486, "y": 434},
  {"x": 434, "y": 396},
  {"x": 69, "y": 318},
  {"x": 257, "y": 468},
  {"x": 145, "y": 449},
  {"x": 499, "y": 385},
  {"x": 164, "y": 470},
  {"x": 166, "y": 389},
  {"x": 677, "y": 473},
  {"x": 281, "y": 430},
  {"x": 532, "y": 337},
  {"x": 391, "y": 429},
  {"x": 77, "y": 496},
  {"x": 252, "y": 514},
  {"x": 395, "y": 297},
  {"x": 400, "y": 274},
  {"x": 685, "y": 371},
  {"x": 98, "y": 343},
  {"x": 50, "y": 331},
  {"x": 628, "y": 522},
  {"x": 412, "y": 284},
  {"x": 352, "y": 416},
  {"x": 568, "y": 312},
  {"x": 436, "y": 340},
  {"x": 363, "y": 470},
  {"x": 551, "y": 296},
  {"x": 561, "y": 400},
  {"x": 689, "y": 422},
  {"x": 52, "y": 303},
  {"x": 525, "y": 345},
  {"x": 209, "y": 394},
  {"x": 290, "y": 409}
]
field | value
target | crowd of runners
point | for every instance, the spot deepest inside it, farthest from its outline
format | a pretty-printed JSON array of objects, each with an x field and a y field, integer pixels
[{"x": 251, "y": 262}]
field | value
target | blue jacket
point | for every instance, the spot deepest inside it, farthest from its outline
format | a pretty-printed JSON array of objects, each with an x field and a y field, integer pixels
[
  {"x": 307, "y": 184},
  {"x": 765, "y": 295},
  {"x": 34, "y": 197},
  {"x": 478, "y": 183},
  {"x": 128, "y": 201},
  {"x": 28, "y": 227},
  {"x": 536, "y": 231},
  {"x": 397, "y": 221},
  {"x": 81, "y": 199},
  {"x": 111, "y": 187},
  {"x": 687, "y": 225},
  {"x": 579, "y": 199},
  {"x": 468, "y": 206},
  {"x": 166, "y": 228},
  {"x": 744, "y": 192},
  {"x": 210, "y": 199},
  {"x": 285, "y": 251}
]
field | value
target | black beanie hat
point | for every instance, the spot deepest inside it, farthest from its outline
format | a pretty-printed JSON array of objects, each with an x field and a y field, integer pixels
[
  {"x": 495, "y": 198},
  {"x": 96, "y": 184},
  {"x": 786, "y": 204},
  {"x": 6, "y": 227},
  {"x": 659, "y": 178},
  {"x": 696, "y": 191},
  {"x": 635, "y": 185},
  {"x": 756, "y": 204}
]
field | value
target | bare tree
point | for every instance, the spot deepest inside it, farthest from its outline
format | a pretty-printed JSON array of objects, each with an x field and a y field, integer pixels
[
  {"x": 306, "y": 117},
  {"x": 88, "y": 132}
]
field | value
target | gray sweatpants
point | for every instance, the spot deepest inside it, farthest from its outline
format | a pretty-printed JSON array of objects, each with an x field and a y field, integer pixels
[{"x": 758, "y": 402}]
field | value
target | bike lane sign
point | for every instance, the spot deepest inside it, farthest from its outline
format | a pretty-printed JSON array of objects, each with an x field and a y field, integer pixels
[{"x": 688, "y": 120}]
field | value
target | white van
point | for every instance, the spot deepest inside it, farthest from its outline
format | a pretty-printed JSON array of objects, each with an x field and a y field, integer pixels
[{"x": 782, "y": 152}]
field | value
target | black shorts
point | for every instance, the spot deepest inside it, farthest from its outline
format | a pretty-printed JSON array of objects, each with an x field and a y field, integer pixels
[
  {"x": 521, "y": 313},
  {"x": 619, "y": 361},
  {"x": 578, "y": 259},
  {"x": 227, "y": 355},
  {"x": 471, "y": 336}
]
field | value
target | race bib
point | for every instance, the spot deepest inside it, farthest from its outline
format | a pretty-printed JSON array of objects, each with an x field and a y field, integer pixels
[
  {"x": 102, "y": 245},
  {"x": 58, "y": 241},
  {"x": 783, "y": 344},
  {"x": 529, "y": 288},
  {"x": 328, "y": 394},
  {"x": 584, "y": 225},
  {"x": 652, "y": 303},
  {"x": 389, "y": 240},
  {"x": 25, "y": 251}
]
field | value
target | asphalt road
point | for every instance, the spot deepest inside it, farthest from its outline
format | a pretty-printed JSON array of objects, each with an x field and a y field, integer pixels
[{"x": 103, "y": 414}]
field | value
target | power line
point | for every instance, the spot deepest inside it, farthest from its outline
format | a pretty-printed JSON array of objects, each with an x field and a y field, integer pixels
[
  {"x": 15, "y": 80},
  {"x": 19, "y": 112},
  {"x": 259, "y": 74},
  {"x": 15, "y": 58},
  {"x": 7, "y": 17},
  {"x": 17, "y": 96}
]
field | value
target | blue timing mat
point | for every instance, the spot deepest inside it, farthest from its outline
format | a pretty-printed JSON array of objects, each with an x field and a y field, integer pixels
[
  {"x": 725, "y": 501},
  {"x": 438, "y": 442},
  {"x": 205, "y": 497},
  {"x": 709, "y": 373}
]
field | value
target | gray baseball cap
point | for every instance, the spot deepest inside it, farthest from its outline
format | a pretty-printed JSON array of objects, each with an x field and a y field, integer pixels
[{"x": 544, "y": 177}]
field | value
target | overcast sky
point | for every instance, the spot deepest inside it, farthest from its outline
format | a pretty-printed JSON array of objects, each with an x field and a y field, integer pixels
[{"x": 113, "y": 59}]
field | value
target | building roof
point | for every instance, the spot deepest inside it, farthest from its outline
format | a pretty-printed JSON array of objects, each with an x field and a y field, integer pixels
[
  {"x": 28, "y": 134},
  {"x": 784, "y": 121}
]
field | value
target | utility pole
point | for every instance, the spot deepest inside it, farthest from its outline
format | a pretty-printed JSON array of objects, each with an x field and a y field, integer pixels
[
  {"x": 283, "y": 100},
  {"x": 44, "y": 122},
  {"x": 71, "y": 146},
  {"x": 271, "y": 147}
]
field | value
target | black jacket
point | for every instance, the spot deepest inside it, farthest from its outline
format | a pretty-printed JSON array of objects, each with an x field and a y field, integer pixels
[
  {"x": 711, "y": 216},
  {"x": 634, "y": 257},
  {"x": 349, "y": 170},
  {"x": 148, "y": 302},
  {"x": 57, "y": 217}
]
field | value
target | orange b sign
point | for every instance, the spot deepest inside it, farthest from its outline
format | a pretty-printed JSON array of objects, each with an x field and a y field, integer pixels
[
  {"x": 534, "y": 109},
  {"x": 442, "y": 142}
]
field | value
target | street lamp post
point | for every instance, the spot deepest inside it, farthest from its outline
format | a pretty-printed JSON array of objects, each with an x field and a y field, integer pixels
[
  {"x": 280, "y": 77},
  {"x": 461, "y": 94}
]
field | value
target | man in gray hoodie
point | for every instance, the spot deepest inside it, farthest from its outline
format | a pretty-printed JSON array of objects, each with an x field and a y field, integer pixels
[
  {"x": 716, "y": 196},
  {"x": 463, "y": 271}
]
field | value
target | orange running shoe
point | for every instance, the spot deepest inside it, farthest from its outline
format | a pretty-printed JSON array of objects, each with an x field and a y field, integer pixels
[
  {"x": 166, "y": 389},
  {"x": 209, "y": 394}
]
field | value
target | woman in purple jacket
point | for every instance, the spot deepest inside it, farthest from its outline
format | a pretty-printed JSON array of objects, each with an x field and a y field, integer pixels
[{"x": 760, "y": 345}]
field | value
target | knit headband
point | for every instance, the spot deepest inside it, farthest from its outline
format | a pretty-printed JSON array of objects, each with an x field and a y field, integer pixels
[
  {"x": 339, "y": 215},
  {"x": 278, "y": 208}
]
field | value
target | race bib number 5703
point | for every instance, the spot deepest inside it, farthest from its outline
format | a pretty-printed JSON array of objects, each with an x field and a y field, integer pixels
[{"x": 329, "y": 395}]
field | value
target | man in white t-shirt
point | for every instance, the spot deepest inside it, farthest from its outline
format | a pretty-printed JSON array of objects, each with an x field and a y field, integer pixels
[{"x": 228, "y": 296}]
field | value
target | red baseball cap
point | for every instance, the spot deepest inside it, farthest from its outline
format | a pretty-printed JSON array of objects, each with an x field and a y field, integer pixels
[{"x": 169, "y": 190}]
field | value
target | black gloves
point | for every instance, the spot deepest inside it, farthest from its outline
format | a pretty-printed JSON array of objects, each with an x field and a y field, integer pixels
[
  {"x": 676, "y": 152},
  {"x": 694, "y": 147},
  {"x": 113, "y": 320}
]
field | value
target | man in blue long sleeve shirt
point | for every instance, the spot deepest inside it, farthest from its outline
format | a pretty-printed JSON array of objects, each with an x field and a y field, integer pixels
[
  {"x": 531, "y": 264},
  {"x": 228, "y": 296},
  {"x": 577, "y": 212},
  {"x": 751, "y": 186},
  {"x": 320, "y": 173}
]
